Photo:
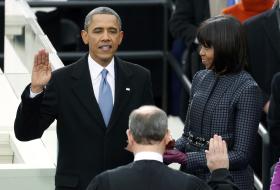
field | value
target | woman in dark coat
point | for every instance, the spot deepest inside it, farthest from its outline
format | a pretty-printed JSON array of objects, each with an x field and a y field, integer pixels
[{"x": 224, "y": 100}]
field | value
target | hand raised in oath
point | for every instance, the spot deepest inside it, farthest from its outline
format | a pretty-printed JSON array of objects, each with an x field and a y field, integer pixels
[{"x": 41, "y": 72}]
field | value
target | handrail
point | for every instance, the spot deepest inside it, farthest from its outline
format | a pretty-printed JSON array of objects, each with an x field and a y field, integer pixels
[
  {"x": 261, "y": 130},
  {"x": 151, "y": 54},
  {"x": 95, "y": 3},
  {"x": 266, "y": 156},
  {"x": 178, "y": 70},
  {"x": 257, "y": 183}
]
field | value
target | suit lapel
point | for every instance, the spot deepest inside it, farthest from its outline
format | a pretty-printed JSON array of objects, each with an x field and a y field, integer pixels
[
  {"x": 123, "y": 90},
  {"x": 270, "y": 25},
  {"x": 83, "y": 90}
]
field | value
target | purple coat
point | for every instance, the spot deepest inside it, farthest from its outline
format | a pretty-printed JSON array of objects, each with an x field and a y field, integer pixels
[{"x": 275, "y": 183}]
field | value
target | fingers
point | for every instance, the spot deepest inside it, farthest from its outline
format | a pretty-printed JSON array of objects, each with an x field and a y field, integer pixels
[
  {"x": 217, "y": 145},
  {"x": 225, "y": 151},
  {"x": 211, "y": 145},
  {"x": 46, "y": 58},
  {"x": 41, "y": 59},
  {"x": 41, "y": 63}
]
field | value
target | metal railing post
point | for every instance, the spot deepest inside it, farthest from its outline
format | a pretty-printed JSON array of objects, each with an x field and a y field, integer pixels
[{"x": 266, "y": 156}]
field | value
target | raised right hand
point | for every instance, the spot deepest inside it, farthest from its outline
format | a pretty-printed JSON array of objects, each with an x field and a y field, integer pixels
[
  {"x": 41, "y": 72},
  {"x": 217, "y": 155}
]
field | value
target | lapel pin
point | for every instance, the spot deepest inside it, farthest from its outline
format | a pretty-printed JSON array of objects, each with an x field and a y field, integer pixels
[{"x": 127, "y": 89}]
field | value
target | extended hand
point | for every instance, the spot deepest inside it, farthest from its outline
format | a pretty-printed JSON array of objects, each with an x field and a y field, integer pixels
[
  {"x": 217, "y": 155},
  {"x": 41, "y": 72}
]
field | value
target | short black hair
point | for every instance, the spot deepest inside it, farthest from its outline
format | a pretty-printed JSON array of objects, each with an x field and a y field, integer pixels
[
  {"x": 101, "y": 10},
  {"x": 226, "y": 35}
]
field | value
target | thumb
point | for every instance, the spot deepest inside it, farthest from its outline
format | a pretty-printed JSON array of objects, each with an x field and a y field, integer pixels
[{"x": 207, "y": 153}]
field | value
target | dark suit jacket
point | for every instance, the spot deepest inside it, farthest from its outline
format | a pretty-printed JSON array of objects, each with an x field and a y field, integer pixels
[
  {"x": 229, "y": 106},
  {"x": 263, "y": 37},
  {"x": 273, "y": 117},
  {"x": 86, "y": 147},
  {"x": 153, "y": 175},
  {"x": 187, "y": 17}
]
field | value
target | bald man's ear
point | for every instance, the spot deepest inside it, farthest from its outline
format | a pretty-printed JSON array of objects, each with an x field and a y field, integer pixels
[
  {"x": 130, "y": 141},
  {"x": 169, "y": 141},
  {"x": 167, "y": 137},
  {"x": 129, "y": 136},
  {"x": 128, "y": 132}
]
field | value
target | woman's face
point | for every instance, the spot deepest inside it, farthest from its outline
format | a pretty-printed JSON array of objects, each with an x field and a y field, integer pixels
[{"x": 207, "y": 56}]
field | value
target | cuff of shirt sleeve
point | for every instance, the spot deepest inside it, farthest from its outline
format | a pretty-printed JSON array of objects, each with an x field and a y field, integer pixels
[{"x": 32, "y": 94}]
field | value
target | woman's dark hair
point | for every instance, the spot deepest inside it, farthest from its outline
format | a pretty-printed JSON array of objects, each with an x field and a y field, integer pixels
[{"x": 226, "y": 35}]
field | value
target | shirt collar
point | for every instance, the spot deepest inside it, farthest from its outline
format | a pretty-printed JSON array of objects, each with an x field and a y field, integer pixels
[
  {"x": 148, "y": 156},
  {"x": 95, "y": 68}
]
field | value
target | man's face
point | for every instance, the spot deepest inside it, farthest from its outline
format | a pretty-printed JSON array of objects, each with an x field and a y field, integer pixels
[{"x": 103, "y": 37}]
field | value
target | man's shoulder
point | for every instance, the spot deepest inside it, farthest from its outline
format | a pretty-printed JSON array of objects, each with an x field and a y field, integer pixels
[
  {"x": 68, "y": 69},
  {"x": 118, "y": 171},
  {"x": 131, "y": 66},
  {"x": 153, "y": 165},
  {"x": 276, "y": 80},
  {"x": 255, "y": 20},
  {"x": 136, "y": 172},
  {"x": 275, "y": 86},
  {"x": 184, "y": 180},
  {"x": 179, "y": 175}
]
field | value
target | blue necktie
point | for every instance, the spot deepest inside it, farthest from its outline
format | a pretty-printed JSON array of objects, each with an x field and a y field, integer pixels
[{"x": 105, "y": 99}]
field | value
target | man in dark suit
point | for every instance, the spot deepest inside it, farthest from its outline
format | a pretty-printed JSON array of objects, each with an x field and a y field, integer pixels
[
  {"x": 148, "y": 136},
  {"x": 187, "y": 17},
  {"x": 263, "y": 35},
  {"x": 91, "y": 101}
]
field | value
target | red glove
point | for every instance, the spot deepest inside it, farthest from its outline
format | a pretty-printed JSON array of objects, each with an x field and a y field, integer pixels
[{"x": 174, "y": 156}]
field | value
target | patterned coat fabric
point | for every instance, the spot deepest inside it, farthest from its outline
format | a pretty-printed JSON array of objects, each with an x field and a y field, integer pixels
[{"x": 229, "y": 106}]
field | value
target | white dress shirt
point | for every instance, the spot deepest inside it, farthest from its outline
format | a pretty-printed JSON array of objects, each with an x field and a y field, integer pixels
[
  {"x": 148, "y": 156},
  {"x": 95, "y": 75}
]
